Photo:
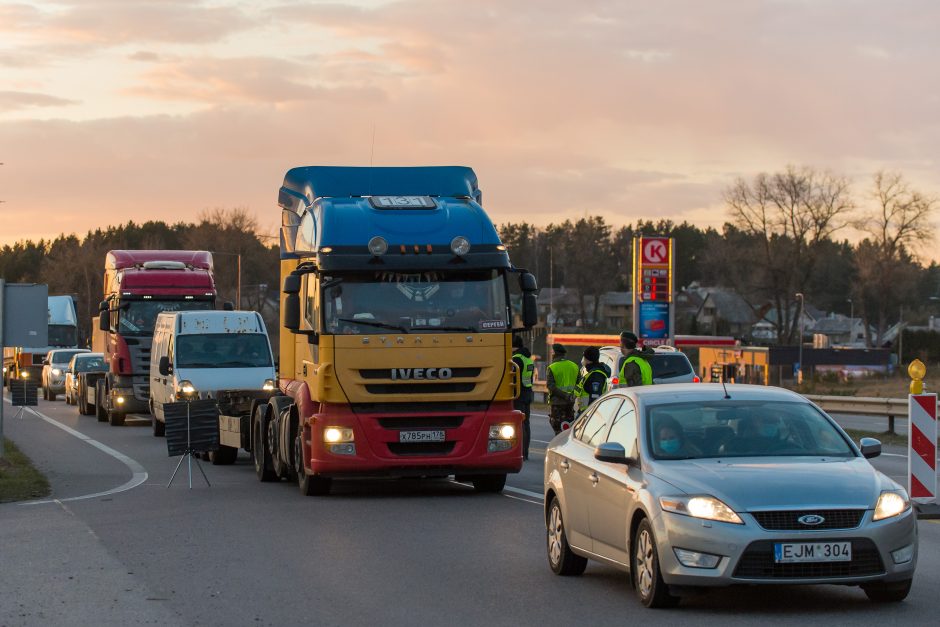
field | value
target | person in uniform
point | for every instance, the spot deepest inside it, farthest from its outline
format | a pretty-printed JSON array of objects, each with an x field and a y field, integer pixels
[
  {"x": 561, "y": 381},
  {"x": 636, "y": 369},
  {"x": 594, "y": 382},
  {"x": 523, "y": 360}
]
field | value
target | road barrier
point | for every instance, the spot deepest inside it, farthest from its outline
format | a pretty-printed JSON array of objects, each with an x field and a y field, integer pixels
[{"x": 922, "y": 444}]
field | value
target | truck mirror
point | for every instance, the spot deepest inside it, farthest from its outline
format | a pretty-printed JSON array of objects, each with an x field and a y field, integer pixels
[
  {"x": 291, "y": 310},
  {"x": 292, "y": 284},
  {"x": 164, "y": 366},
  {"x": 530, "y": 311},
  {"x": 104, "y": 323},
  {"x": 103, "y": 305},
  {"x": 527, "y": 282}
]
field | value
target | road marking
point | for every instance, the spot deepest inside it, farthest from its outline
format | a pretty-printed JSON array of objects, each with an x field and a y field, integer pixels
[
  {"x": 139, "y": 473},
  {"x": 529, "y": 493},
  {"x": 516, "y": 498}
]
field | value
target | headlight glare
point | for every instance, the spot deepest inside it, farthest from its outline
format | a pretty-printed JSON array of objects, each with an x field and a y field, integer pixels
[
  {"x": 269, "y": 385},
  {"x": 704, "y": 507},
  {"x": 890, "y": 504},
  {"x": 335, "y": 435},
  {"x": 56, "y": 372},
  {"x": 502, "y": 432}
]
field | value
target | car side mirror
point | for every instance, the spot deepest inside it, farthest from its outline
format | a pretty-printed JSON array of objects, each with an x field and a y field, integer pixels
[
  {"x": 614, "y": 453},
  {"x": 104, "y": 324},
  {"x": 103, "y": 305},
  {"x": 870, "y": 447},
  {"x": 164, "y": 366}
]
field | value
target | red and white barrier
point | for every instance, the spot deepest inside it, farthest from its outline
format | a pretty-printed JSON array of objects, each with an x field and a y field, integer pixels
[{"x": 922, "y": 451}]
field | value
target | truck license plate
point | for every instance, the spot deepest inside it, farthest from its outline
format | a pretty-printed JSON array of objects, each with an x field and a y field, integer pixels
[
  {"x": 420, "y": 436},
  {"x": 790, "y": 552}
]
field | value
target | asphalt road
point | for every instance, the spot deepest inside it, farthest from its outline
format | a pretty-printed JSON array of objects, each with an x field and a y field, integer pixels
[{"x": 375, "y": 552}]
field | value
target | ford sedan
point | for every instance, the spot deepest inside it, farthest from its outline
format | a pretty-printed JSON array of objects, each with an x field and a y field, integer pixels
[{"x": 691, "y": 486}]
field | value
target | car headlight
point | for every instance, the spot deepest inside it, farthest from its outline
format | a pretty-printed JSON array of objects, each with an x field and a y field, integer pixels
[
  {"x": 56, "y": 372},
  {"x": 891, "y": 504},
  {"x": 704, "y": 507},
  {"x": 334, "y": 435}
]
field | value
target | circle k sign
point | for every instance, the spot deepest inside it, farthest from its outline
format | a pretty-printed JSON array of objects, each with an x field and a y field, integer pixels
[{"x": 655, "y": 250}]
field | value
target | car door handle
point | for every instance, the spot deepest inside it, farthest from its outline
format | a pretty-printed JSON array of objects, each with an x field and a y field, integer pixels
[
  {"x": 564, "y": 464},
  {"x": 593, "y": 478}
]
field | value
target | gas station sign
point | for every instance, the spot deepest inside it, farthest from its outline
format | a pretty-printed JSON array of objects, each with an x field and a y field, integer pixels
[{"x": 653, "y": 309}]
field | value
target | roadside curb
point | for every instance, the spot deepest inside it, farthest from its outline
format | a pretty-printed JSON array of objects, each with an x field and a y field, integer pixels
[{"x": 927, "y": 511}]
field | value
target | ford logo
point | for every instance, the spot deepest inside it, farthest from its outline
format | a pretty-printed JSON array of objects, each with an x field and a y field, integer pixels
[{"x": 811, "y": 520}]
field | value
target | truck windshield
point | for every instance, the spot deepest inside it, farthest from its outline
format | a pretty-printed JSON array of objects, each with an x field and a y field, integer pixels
[
  {"x": 223, "y": 350},
  {"x": 62, "y": 335},
  {"x": 445, "y": 302},
  {"x": 138, "y": 317}
]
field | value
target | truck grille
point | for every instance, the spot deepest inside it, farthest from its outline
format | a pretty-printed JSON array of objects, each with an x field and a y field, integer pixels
[
  {"x": 410, "y": 409},
  {"x": 787, "y": 520},
  {"x": 139, "y": 348},
  {"x": 385, "y": 373},
  {"x": 757, "y": 562},
  {"x": 421, "y": 422},
  {"x": 419, "y": 388},
  {"x": 420, "y": 448}
]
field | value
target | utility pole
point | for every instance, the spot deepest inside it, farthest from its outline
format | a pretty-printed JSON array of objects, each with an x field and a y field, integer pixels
[
  {"x": 799, "y": 371},
  {"x": 851, "y": 321}
]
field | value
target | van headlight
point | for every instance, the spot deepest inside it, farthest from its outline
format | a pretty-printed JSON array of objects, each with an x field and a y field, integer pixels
[
  {"x": 890, "y": 504},
  {"x": 269, "y": 385}
]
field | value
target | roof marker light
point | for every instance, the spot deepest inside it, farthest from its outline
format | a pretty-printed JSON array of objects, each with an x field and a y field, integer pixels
[
  {"x": 460, "y": 245},
  {"x": 326, "y": 250},
  {"x": 500, "y": 247},
  {"x": 378, "y": 246}
]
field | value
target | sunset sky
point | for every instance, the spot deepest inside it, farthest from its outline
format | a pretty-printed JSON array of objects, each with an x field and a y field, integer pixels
[{"x": 112, "y": 110}]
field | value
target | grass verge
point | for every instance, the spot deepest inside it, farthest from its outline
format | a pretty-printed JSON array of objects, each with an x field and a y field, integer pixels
[
  {"x": 19, "y": 480},
  {"x": 894, "y": 439}
]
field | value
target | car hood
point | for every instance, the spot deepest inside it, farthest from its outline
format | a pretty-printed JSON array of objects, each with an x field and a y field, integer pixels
[{"x": 778, "y": 483}]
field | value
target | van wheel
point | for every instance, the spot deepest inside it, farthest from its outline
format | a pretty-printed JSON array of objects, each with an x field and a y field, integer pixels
[
  {"x": 100, "y": 411},
  {"x": 159, "y": 428},
  {"x": 116, "y": 418},
  {"x": 223, "y": 456},
  {"x": 264, "y": 465}
]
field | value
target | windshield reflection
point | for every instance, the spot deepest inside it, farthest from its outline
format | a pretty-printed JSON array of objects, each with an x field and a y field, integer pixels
[{"x": 138, "y": 317}]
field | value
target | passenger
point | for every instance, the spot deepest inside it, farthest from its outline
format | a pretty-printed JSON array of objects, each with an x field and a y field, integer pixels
[{"x": 669, "y": 439}]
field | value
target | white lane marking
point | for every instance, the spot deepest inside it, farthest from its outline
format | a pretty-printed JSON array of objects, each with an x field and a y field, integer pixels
[
  {"x": 516, "y": 498},
  {"x": 529, "y": 493},
  {"x": 139, "y": 473},
  {"x": 904, "y": 456}
]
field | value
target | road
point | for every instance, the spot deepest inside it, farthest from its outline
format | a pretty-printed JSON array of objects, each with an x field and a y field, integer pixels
[{"x": 375, "y": 552}]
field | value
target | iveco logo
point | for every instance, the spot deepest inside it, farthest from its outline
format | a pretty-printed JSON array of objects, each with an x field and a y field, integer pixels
[
  {"x": 811, "y": 520},
  {"x": 421, "y": 373}
]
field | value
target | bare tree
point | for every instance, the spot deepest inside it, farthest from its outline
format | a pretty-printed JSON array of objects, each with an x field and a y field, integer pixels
[
  {"x": 897, "y": 227},
  {"x": 784, "y": 218}
]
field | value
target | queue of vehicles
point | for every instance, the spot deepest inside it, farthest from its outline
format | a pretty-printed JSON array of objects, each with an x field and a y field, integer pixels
[{"x": 395, "y": 360}]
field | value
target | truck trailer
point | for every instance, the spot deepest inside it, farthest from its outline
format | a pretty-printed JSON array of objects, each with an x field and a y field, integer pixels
[
  {"x": 19, "y": 363},
  {"x": 139, "y": 285},
  {"x": 395, "y": 332}
]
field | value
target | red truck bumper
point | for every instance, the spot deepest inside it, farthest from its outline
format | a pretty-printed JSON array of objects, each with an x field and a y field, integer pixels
[{"x": 377, "y": 447}]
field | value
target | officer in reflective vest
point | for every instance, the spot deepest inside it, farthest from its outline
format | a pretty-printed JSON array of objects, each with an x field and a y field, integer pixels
[
  {"x": 594, "y": 382},
  {"x": 523, "y": 360},
  {"x": 561, "y": 381},
  {"x": 636, "y": 370}
]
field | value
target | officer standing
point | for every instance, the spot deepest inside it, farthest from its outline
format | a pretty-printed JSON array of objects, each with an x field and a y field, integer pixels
[
  {"x": 636, "y": 370},
  {"x": 523, "y": 359},
  {"x": 561, "y": 381},
  {"x": 594, "y": 382}
]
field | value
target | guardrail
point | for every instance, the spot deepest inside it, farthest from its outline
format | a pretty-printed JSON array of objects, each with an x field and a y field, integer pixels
[{"x": 891, "y": 408}]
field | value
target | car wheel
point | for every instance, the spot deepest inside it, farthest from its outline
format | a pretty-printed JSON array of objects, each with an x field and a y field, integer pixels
[
  {"x": 489, "y": 483},
  {"x": 223, "y": 456},
  {"x": 264, "y": 464},
  {"x": 562, "y": 560},
  {"x": 159, "y": 428},
  {"x": 888, "y": 592},
  {"x": 650, "y": 587},
  {"x": 100, "y": 411},
  {"x": 310, "y": 485}
]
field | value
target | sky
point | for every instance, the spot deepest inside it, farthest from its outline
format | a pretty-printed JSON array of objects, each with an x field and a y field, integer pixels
[{"x": 116, "y": 110}]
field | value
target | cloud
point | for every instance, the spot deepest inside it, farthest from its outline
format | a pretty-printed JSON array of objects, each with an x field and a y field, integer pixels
[{"x": 12, "y": 100}]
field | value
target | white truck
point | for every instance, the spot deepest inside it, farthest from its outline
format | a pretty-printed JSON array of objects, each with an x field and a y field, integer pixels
[
  {"x": 20, "y": 363},
  {"x": 222, "y": 355}
]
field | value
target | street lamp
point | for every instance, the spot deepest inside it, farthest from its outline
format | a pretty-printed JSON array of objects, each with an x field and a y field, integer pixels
[{"x": 799, "y": 371}]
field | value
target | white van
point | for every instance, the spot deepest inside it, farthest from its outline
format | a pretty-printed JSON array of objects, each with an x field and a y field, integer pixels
[{"x": 213, "y": 350}]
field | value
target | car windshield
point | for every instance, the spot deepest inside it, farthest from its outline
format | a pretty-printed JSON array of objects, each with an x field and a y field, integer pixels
[
  {"x": 62, "y": 357},
  {"x": 138, "y": 317},
  {"x": 223, "y": 350},
  {"x": 360, "y": 303},
  {"x": 89, "y": 364},
  {"x": 62, "y": 335},
  {"x": 692, "y": 430}
]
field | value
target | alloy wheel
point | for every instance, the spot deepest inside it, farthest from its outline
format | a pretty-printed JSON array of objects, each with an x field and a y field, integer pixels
[
  {"x": 554, "y": 535},
  {"x": 644, "y": 563}
]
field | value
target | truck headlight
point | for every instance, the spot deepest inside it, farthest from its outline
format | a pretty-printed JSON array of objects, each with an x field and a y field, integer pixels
[
  {"x": 335, "y": 435},
  {"x": 269, "y": 385},
  {"x": 890, "y": 504},
  {"x": 56, "y": 372},
  {"x": 502, "y": 432}
]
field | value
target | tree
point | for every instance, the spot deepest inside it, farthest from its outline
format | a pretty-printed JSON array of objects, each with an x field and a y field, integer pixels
[
  {"x": 783, "y": 218},
  {"x": 897, "y": 226}
]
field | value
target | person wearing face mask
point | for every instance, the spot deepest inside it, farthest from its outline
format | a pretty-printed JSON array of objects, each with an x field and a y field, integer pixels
[
  {"x": 594, "y": 382},
  {"x": 561, "y": 381},
  {"x": 636, "y": 369},
  {"x": 669, "y": 439}
]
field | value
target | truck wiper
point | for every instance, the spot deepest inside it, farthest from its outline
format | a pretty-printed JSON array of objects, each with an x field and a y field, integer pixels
[
  {"x": 444, "y": 328},
  {"x": 375, "y": 323}
]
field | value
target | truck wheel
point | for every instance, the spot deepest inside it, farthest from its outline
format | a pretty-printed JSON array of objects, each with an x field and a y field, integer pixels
[
  {"x": 52, "y": 395},
  {"x": 310, "y": 485},
  {"x": 99, "y": 402},
  {"x": 264, "y": 465},
  {"x": 224, "y": 456},
  {"x": 159, "y": 428},
  {"x": 116, "y": 418},
  {"x": 489, "y": 483}
]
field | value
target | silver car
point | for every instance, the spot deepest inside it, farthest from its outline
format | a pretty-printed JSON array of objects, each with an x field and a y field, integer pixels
[{"x": 694, "y": 485}]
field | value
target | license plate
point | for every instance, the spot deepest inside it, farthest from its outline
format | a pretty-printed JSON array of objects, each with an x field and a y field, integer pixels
[
  {"x": 420, "y": 436},
  {"x": 790, "y": 552}
]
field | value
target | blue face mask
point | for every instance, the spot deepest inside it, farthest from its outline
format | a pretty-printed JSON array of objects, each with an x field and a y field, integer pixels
[
  {"x": 669, "y": 446},
  {"x": 769, "y": 430}
]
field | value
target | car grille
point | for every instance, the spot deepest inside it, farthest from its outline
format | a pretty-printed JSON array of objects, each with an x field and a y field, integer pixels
[
  {"x": 757, "y": 562},
  {"x": 788, "y": 520},
  {"x": 421, "y": 448}
]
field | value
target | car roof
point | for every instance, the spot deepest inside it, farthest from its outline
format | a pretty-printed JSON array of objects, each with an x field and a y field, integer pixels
[
  {"x": 89, "y": 355},
  {"x": 673, "y": 392},
  {"x": 69, "y": 350}
]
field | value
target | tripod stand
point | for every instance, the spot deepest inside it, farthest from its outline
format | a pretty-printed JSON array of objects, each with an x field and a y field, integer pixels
[{"x": 189, "y": 455}]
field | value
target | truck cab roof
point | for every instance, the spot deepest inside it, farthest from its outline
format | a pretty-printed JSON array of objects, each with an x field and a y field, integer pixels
[{"x": 149, "y": 259}]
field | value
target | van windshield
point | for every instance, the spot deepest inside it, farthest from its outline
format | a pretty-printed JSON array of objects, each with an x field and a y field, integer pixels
[{"x": 223, "y": 350}]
